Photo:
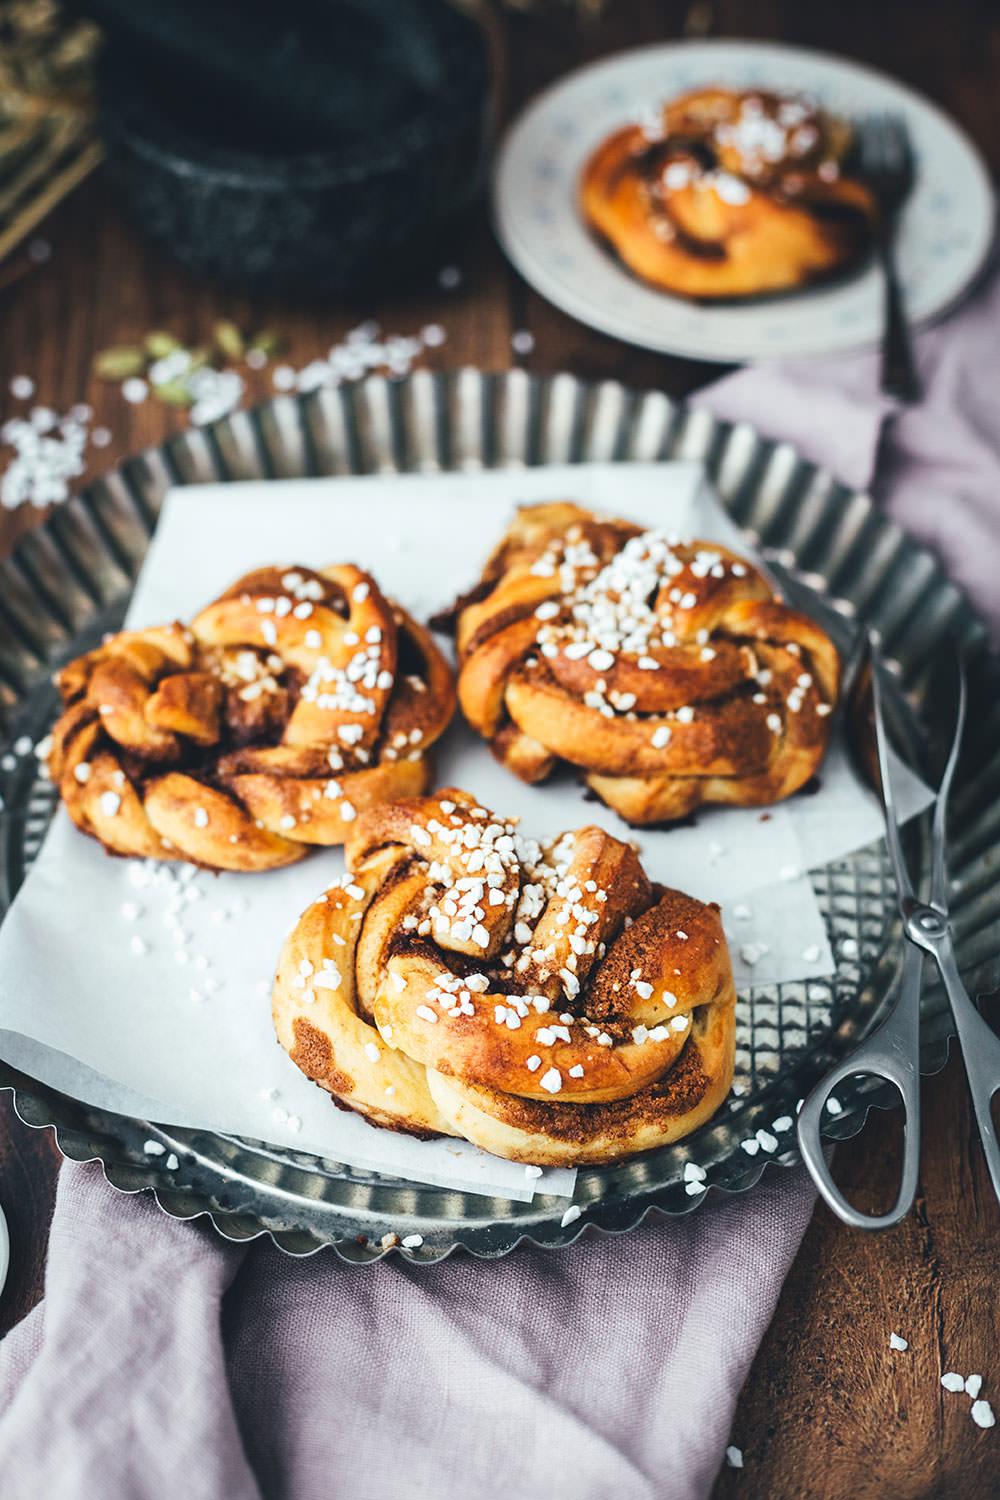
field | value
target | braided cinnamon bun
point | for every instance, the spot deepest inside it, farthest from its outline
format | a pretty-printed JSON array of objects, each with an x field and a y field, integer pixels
[
  {"x": 669, "y": 672},
  {"x": 544, "y": 1001},
  {"x": 292, "y": 703},
  {"x": 730, "y": 194}
]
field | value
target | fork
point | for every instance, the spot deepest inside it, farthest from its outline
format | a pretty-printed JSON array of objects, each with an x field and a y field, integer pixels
[{"x": 886, "y": 161}]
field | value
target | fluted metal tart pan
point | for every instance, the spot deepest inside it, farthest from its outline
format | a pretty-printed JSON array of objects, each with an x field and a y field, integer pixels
[{"x": 69, "y": 580}]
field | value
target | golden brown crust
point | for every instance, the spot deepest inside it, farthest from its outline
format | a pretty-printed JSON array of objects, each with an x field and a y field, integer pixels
[
  {"x": 545, "y": 1001},
  {"x": 313, "y": 1053},
  {"x": 676, "y": 1105},
  {"x": 668, "y": 672},
  {"x": 728, "y": 194},
  {"x": 292, "y": 703}
]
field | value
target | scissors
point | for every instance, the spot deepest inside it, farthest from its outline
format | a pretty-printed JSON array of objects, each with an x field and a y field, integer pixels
[{"x": 892, "y": 1052}]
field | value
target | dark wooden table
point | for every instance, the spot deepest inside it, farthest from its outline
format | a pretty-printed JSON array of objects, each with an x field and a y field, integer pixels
[{"x": 828, "y": 1409}]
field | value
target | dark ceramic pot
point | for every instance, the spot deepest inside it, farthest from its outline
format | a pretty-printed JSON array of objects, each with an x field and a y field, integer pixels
[{"x": 263, "y": 200}]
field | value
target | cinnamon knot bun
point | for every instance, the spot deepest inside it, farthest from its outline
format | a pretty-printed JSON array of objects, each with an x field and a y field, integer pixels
[
  {"x": 669, "y": 672},
  {"x": 292, "y": 703},
  {"x": 730, "y": 194},
  {"x": 544, "y": 1001}
]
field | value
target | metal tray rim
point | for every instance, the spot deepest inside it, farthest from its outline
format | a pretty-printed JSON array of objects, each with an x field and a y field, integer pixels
[
  {"x": 932, "y": 1060},
  {"x": 504, "y": 419}
]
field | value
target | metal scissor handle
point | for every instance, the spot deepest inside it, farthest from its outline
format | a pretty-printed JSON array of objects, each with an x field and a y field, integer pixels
[{"x": 893, "y": 1054}]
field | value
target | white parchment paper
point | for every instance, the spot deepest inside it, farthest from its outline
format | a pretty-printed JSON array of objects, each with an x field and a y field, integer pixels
[{"x": 146, "y": 989}]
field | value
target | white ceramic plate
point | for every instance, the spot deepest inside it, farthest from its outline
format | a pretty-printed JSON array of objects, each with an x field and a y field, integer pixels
[{"x": 944, "y": 237}]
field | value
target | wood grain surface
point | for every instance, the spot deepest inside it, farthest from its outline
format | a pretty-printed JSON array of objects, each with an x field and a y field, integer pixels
[{"x": 829, "y": 1410}]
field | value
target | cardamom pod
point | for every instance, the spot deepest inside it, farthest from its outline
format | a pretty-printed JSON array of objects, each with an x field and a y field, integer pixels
[
  {"x": 229, "y": 340},
  {"x": 174, "y": 393},
  {"x": 159, "y": 344},
  {"x": 120, "y": 362},
  {"x": 268, "y": 343}
]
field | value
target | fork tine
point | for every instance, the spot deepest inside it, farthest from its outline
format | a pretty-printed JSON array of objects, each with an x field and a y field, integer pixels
[
  {"x": 874, "y": 143},
  {"x": 884, "y": 139},
  {"x": 900, "y": 136},
  {"x": 895, "y": 140}
]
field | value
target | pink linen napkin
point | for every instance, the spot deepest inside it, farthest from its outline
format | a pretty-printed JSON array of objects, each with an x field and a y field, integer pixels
[
  {"x": 163, "y": 1359},
  {"x": 606, "y": 1370},
  {"x": 938, "y": 463}
]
